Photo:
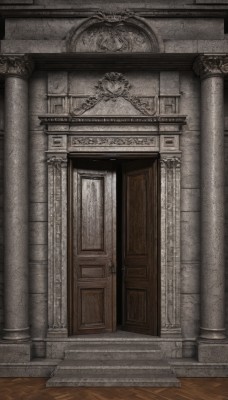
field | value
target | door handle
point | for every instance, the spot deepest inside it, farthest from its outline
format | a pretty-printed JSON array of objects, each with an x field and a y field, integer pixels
[{"x": 112, "y": 269}]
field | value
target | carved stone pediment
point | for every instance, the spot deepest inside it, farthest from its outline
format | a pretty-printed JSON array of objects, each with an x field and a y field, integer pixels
[
  {"x": 114, "y": 33},
  {"x": 112, "y": 86}
]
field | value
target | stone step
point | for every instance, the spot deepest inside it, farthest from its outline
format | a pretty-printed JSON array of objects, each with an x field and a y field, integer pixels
[
  {"x": 112, "y": 369},
  {"x": 153, "y": 381},
  {"x": 104, "y": 351},
  {"x": 113, "y": 364}
]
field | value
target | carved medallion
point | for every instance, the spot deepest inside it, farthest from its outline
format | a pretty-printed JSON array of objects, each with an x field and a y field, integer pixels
[
  {"x": 112, "y": 86},
  {"x": 113, "y": 33}
]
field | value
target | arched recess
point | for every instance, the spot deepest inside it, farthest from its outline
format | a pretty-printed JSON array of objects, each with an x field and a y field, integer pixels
[{"x": 114, "y": 33}]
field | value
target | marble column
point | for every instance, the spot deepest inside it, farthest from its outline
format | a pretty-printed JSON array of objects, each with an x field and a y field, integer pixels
[
  {"x": 211, "y": 70},
  {"x": 16, "y": 70}
]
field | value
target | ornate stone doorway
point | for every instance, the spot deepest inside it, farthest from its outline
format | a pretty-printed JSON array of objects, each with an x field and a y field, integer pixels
[{"x": 66, "y": 140}]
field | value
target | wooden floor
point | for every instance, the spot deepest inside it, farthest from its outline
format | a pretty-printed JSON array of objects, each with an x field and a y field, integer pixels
[{"x": 192, "y": 389}]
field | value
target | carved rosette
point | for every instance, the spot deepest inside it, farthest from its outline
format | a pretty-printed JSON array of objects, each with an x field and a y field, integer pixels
[
  {"x": 57, "y": 247},
  {"x": 170, "y": 246},
  {"x": 16, "y": 65},
  {"x": 211, "y": 65}
]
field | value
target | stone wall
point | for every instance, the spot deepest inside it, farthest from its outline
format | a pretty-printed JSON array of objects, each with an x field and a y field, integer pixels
[
  {"x": 190, "y": 210},
  {"x": 1, "y": 203},
  {"x": 38, "y": 213},
  {"x": 226, "y": 201}
]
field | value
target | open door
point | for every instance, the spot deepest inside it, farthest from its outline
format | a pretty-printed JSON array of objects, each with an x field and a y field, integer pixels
[
  {"x": 92, "y": 277},
  {"x": 139, "y": 249}
]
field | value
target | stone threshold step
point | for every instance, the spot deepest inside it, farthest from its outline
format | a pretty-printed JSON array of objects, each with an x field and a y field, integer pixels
[
  {"x": 114, "y": 364},
  {"x": 121, "y": 382},
  {"x": 113, "y": 355},
  {"x": 114, "y": 346},
  {"x": 126, "y": 373}
]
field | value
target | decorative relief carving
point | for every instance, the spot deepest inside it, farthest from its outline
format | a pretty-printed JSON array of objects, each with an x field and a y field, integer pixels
[
  {"x": 64, "y": 104},
  {"x": 112, "y": 86},
  {"x": 113, "y": 141},
  {"x": 206, "y": 65},
  {"x": 57, "y": 250},
  {"x": 121, "y": 32},
  {"x": 114, "y": 18},
  {"x": 172, "y": 162},
  {"x": 16, "y": 65},
  {"x": 170, "y": 245},
  {"x": 57, "y": 162}
]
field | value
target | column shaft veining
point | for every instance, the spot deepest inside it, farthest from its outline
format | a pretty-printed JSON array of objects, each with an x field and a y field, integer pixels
[
  {"x": 16, "y": 324},
  {"x": 212, "y": 324}
]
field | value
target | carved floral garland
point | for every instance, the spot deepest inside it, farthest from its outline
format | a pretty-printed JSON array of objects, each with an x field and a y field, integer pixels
[{"x": 112, "y": 86}]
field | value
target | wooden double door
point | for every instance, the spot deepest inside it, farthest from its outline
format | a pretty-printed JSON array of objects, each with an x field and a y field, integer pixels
[{"x": 113, "y": 257}]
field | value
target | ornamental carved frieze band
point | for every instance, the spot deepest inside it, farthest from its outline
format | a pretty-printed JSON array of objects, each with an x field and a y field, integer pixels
[
  {"x": 113, "y": 141},
  {"x": 16, "y": 65},
  {"x": 111, "y": 87},
  {"x": 208, "y": 65}
]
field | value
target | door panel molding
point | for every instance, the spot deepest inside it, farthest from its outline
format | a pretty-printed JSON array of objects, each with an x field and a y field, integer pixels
[{"x": 93, "y": 221}]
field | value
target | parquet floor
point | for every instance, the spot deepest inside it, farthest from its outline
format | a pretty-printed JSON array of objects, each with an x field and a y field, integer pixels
[{"x": 192, "y": 389}]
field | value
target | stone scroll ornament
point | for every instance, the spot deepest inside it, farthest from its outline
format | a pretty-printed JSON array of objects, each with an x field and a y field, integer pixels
[{"x": 112, "y": 86}]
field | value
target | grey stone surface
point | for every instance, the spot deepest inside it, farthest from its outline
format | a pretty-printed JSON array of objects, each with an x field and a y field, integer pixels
[
  {"x": 130, "y": 361},
  {"x": 212, "y": 192},
  {"x": 1, "y": 204},
  {"x": 59, "y": 84},
  {"x": 190, "y": 315},
  {"x": 213, "y": 352},
  {"x": 190, "y": 277},
  {"x": 16, "y": 206},
  {"x": 11, "y": 353},
  {"x": 190, "y": 236}
]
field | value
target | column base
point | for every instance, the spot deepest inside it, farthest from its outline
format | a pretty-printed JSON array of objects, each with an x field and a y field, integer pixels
[
  {"x": 212, "y": 334},
  {"x": 57, "y": 333},
  {"x": 15, "y": 352},
  {"x": 213, "y": 351},
  {"x": 16, "y": 334}
]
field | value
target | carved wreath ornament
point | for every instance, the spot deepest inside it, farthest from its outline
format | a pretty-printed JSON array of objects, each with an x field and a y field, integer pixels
[{"x": 112, "y": 86}]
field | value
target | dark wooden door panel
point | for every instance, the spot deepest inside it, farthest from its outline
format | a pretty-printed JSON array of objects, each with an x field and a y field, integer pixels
[
  {"x": 140, "y": 246},
  {"x": 94, "y": 249}
]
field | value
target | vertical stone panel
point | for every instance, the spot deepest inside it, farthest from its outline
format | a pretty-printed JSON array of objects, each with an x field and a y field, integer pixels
[
  {"x": 1, "y": 202},
  {"x": 38, "y": 213},
  {"x": 57, "y": 246},
  {"x": 170, "y": 246}
]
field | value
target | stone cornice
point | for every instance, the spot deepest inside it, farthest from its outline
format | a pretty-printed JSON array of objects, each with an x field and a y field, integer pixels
[
  {"x": 15, "y": 65},
  {"x": 211, "y": 65},
  {"x": 196, "y": 11},
  {"x": 65, "y": 119}
]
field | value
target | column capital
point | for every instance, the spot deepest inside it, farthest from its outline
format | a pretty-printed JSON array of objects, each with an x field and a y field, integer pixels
[
  {"x": 211, "y": 65},
  {"x": 16, "y": 65},
  {"x": 170, "y": 161}
]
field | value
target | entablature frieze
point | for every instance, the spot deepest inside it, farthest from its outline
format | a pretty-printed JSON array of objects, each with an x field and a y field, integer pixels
[
  {"x": 74, "y": 134},
  {"x": 16, "y": 65}
]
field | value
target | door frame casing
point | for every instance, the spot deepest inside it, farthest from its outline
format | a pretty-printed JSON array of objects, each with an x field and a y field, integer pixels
[{"x": 61, "y": 146}]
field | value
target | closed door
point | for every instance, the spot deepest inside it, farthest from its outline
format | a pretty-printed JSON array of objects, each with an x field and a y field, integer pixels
[
  {"x": 95, "y": 259},
  {"x": 93, "y": 279}
]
